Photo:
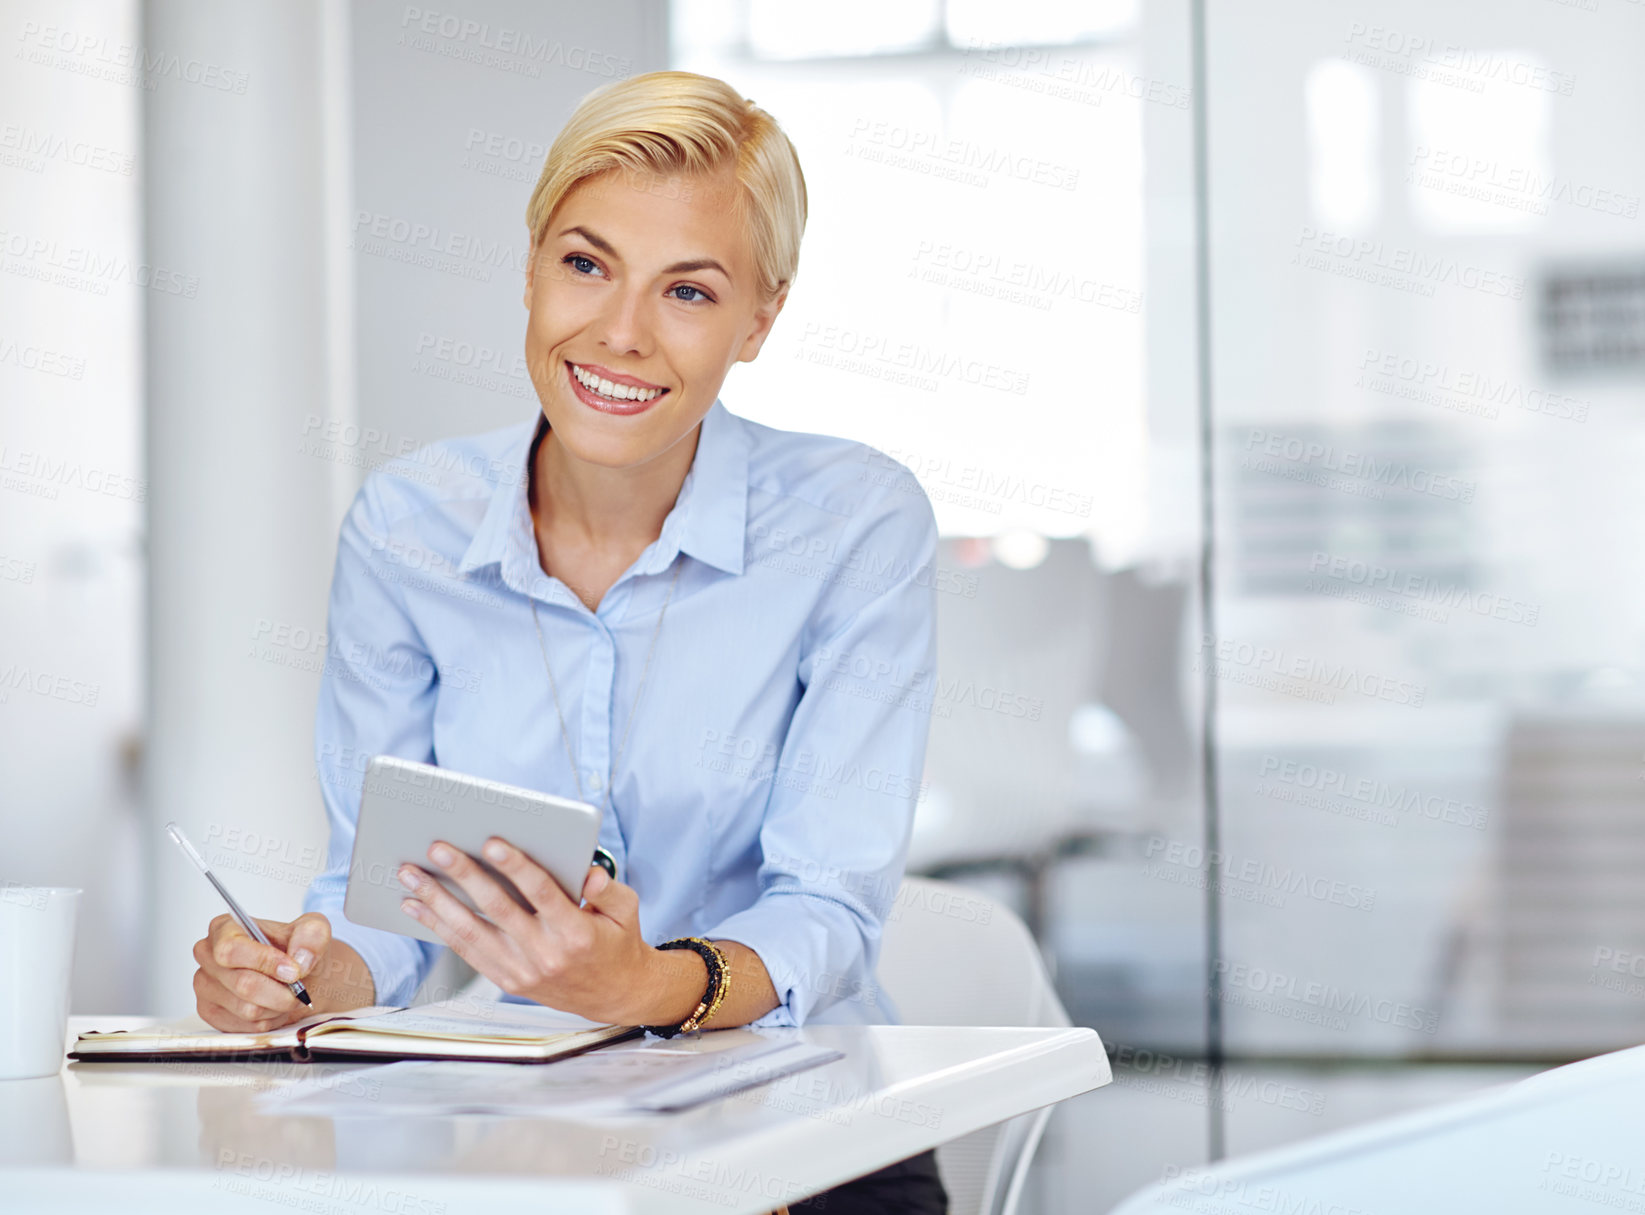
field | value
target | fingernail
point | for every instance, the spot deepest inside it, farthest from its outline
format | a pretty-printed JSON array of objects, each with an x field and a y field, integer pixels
[
  {"x": 286, "y": 971},
  {"x": 441, "y": 854},
  {"x": 407, "y": 880},
  {"x": 409, "y": 906},
  {"x": 304, "y": 959},
  {"x": 496, "y": 851}
]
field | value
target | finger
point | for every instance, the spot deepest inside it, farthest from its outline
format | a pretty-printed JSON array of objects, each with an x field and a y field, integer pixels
[
  {"x": 226, "y": 1019},
  {"x": 498, "y": 906},
  {"x": 243, "y": 986},
  {"x": 309, "y": 940},
  {"x": 242, "y": 997},
  {"x": 279, "y": 933},
  {"x": 432, "y": 906},
  {"x": 612, "y": 899},
  {"x": 465, "y": 938},
  {"x": 535, "y": 882},
  {"x": 232, "y": 948}
]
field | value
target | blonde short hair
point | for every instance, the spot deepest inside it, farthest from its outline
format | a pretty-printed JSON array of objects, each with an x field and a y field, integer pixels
[{"x": 676, "y": 123}]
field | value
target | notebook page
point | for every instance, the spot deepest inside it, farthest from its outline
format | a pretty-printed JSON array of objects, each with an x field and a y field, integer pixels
[
  {"x": 190, "y": 1033},
  {"x": 476, "y": 1022}
]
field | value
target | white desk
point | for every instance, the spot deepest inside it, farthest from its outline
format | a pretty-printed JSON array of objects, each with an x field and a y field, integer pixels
[
  {"x": 1570, "y": 1141},
  {"x": 173, "y": 1138}
]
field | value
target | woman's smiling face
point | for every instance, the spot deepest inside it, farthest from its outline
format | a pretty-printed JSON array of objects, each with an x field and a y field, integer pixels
[{"x": 642, "y": 293}]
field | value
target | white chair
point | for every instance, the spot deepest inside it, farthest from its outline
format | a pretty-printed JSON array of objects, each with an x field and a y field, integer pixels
[
  {"x": 951, "y": 956},
  {"x": 1016, "y": 656}
]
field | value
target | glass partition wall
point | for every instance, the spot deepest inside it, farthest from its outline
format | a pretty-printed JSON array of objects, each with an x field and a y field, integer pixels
[
  {"x": 1322, "y": 792},
  {"x": 1426, "y": 356},
  {"x": 1425, "y": 363}
]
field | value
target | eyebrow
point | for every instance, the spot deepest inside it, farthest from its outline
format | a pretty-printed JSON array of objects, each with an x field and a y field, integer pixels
[{"x": 690, "y": 267}]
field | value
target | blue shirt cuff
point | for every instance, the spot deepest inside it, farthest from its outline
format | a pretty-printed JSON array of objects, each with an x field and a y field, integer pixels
[{"x": 803, "y": 942}]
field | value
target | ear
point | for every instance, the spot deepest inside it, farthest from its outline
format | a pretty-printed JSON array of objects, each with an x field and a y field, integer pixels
[{"x": 764, "y": 317}]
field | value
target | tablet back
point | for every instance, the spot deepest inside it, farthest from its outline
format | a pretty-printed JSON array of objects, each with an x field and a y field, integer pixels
[{"x": 406, "y": 806}]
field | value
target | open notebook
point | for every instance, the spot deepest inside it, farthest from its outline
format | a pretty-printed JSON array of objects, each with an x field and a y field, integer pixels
[{"x": 504, "y": 1033}]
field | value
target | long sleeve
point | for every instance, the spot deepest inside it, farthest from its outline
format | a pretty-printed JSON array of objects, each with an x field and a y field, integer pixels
[
  {"x": 835, "y": 832},
  {"x": 377, "y": 696}
]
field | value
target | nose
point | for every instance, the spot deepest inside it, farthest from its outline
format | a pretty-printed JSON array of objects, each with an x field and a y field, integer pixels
[{"x": 625, "y": 323}]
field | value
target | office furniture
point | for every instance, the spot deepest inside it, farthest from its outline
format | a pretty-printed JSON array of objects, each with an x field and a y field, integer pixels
[
  {"x": 1026, "y": 662},
  {"x": 1566, "y": 898},
  {"x": 952, "y": 957},
  {"x": 1015, "y": 651},
  {"x": 1565, "y": 1142},
  {"x": 173, "y": 1138},
  {"x": 1139, "y": 674}
]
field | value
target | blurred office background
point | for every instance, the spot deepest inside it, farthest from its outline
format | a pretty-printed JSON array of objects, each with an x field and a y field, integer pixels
[{"x": 1337, "y": 775}]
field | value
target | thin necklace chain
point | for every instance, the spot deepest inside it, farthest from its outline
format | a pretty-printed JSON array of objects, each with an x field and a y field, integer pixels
[{"x": 565, "y": 734}]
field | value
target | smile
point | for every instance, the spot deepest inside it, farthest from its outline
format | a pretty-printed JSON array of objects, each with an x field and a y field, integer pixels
[{"x": 610, "y": 392}]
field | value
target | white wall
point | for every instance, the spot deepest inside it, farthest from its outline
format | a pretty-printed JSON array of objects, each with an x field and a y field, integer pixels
[
  {"x": 71, "y": 468},
  {"x": 446, "y": 152},
  {"x": 240, "y": 520},
  {"x": 306, "y": 324}
]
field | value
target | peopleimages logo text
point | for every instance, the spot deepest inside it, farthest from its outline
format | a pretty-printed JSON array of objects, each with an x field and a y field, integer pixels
[
  {"x": 1232, "y": 655},
  {"x": 1373, "y": 792},
  {"x": 1328, "y": 998},
  {"x": 1379, "y": 470},
  {"x": 1281, "y": 879},
  {"x": 1373, "y": 576},
  {"x": 1379, "y": 262}
]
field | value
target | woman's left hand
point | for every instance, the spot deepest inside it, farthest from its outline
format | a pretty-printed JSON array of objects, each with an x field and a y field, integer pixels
[{"x": 588, "y": 960}]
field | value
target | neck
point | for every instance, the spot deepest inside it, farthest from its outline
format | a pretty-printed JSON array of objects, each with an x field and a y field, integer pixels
[{"x": 604, "y": 507}]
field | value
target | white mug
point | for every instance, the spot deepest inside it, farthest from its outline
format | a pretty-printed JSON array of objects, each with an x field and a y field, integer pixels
[{"x": 36, "y": 955}]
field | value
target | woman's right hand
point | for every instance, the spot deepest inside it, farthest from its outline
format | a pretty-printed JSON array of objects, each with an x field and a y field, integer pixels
[{"x": 241, "y": 984}]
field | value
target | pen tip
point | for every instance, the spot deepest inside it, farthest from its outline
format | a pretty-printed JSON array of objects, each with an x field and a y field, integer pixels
[{"x": 303, "y": 996}]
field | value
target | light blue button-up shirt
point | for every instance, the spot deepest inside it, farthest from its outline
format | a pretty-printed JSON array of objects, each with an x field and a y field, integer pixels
[{"x": 768, "y": 784}]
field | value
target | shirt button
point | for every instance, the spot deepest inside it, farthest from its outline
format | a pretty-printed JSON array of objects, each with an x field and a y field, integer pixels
[{"x": 595, "y": 782}]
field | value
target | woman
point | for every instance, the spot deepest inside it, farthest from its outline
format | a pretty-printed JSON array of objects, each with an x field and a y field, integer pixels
[{"x": 708, "y": 627}]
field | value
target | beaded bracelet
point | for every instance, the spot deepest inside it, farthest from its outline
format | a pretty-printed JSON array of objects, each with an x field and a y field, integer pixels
[{"x": 719, "y": 982}]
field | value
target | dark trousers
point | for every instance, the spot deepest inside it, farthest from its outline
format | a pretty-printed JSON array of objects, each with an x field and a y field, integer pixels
[{"x": 909, "y": 1187}]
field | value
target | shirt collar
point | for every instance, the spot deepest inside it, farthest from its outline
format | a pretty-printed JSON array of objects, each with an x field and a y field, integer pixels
[
  {"x": 712, "y": 509},
  {"x": 497, "y": 532},
  {"x": 709, "y": 520}
]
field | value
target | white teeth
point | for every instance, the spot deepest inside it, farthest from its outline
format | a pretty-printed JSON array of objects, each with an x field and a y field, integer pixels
[{"x": 617, "y": 392}]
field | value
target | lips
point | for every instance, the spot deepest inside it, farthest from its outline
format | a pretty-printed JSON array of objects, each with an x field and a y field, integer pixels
[{"x": 610, "y": 391}]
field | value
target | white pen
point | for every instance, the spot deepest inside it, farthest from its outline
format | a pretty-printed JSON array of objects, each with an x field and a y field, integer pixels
[{"x": 246, "y": 922}]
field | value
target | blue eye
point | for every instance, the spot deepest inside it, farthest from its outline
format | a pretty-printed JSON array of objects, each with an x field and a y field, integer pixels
[
  {"x": 701, "y": 294},
  {"x": 579, "y": 261}
]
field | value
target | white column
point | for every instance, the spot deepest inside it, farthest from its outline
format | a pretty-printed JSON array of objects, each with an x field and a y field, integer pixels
[{"x": 245, "y": 190}]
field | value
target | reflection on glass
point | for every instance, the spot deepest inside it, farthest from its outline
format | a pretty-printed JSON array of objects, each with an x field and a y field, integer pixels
[{"x": 1344, "y": 131}]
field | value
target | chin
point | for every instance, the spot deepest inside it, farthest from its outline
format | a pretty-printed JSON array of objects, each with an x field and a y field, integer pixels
[{"x": 614, "y": 442}]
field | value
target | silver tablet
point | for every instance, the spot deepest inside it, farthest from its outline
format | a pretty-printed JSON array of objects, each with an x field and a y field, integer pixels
[{"x": 406, "y": 806}]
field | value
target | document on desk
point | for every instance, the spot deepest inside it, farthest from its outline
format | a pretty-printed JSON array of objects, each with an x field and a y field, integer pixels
[{"x": 652, "y": 1078}]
